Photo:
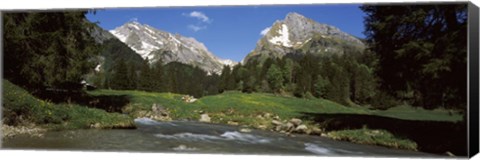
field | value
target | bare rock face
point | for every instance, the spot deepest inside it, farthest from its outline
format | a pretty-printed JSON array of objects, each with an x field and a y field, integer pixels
[
  {"x": 155, "y": 44},
  {"x": 296, "y": 34},
  {"x": 204, "y": 118}
]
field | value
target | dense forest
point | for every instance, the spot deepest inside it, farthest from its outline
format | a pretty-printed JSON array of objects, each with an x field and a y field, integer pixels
[{"x": 416, "y": 55}]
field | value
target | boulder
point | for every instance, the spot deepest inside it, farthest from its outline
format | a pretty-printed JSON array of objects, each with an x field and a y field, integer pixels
[
  {"x": 316, "y": 131},
  {"x": 262, "y": 127},
  {"x": 296, "y": 121},
  {"x": 267, "y": 115},
  {"x": 289, "y": 126},
  {"x": 233, "y": 123},
  {"x": 276, "y": 118},
  {"x": 276, "y": 123},
  {"x": 204, "y": 118},
  {"x": 301, "y": 128},
  {"x": 260, "y": 117},
  {"x": 278, "y": 128},
  {"x": 245, "y": 130}
]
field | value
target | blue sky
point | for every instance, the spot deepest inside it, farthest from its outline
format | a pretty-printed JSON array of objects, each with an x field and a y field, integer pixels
[{"x": 230, "y": 32}]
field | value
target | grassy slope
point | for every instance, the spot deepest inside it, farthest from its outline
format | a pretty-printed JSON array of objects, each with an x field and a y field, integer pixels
[{"x": 20, "y": 108}]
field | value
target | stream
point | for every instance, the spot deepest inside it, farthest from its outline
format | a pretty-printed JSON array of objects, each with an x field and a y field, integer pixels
[{"x": 196, "y": 137}]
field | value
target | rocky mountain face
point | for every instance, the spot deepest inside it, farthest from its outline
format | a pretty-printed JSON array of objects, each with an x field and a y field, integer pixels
[
  {"x": 297, "y": 34},
  {"x": 112, "y": 51},
  {"x": 155, "y": 45}
]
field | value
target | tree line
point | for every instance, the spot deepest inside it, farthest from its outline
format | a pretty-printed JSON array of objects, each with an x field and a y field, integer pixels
[{"x": 173, "y": 77}]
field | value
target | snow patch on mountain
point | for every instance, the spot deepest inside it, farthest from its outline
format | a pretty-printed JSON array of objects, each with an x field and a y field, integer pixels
[
  {"x": 228, "y": 62},
  {"x": 283, "y": 37},
  {"x": 120, "y": 36}
]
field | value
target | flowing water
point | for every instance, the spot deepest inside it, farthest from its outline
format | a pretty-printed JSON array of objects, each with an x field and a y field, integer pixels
[{"x": 195, "y": 137}]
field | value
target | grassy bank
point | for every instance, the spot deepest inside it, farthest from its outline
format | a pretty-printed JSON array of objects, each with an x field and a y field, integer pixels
[
  {"x": 259, "y": 110},
  {"x": 374, "y": 137},
  {"x": 20, "y": 108}
]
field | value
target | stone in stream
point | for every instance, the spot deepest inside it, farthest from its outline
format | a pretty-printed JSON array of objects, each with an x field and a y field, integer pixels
[
  {"x": 262, "y": 127},
  {"x": 204, "y": 118},
  {"x": 183, "y": 147},
  {"x": 233, "y": 123},
  {"x": 245, "y": 130}
]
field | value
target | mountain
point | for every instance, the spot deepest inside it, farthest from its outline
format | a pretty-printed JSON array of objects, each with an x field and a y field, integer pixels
[
  {"x": 112, "y": 51},
  {"x": 299, "y": 35},
  {"x": 154, "y": 44}
]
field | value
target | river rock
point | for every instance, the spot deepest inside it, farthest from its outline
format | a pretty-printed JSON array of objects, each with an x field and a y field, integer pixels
[
  {"x": 260, "y": 117},
  {"x": 316, "y": 131},
  {"x": 276, "y": 123},
  {"x": 233, "y": 123},
  {"x": 245, "y": 130},
  {"x": 267, "y": 115},
  {"x": 301, "y": 128},
  {"x": 262, "y": 127},
  {"x": 96, "y": 126},
  {"x": 276, "y": 118},
  {"x": 204, "y": 118},
  {"x": 183, "y": 147},
  {"x": 289, "y": 126},
  {"x": 278, "y": 128},
  {"x": 296, "y": 121}
]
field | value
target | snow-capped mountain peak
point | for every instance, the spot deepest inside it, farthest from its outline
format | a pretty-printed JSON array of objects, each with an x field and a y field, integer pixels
[
  {"x": 156, "y": 44},
  {"x": 294, "y": 32},
  {"x": 228, "y": 62}
]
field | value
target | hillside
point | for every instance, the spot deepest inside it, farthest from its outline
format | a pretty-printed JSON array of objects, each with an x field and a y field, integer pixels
[{"x": 20, "y": 108}]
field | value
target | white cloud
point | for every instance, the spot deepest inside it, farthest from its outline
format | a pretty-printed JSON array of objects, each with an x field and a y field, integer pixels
[
  {"x": 203, "y": 20},
  {"x": 199, "y": 15},
  {"x": 196, "y": 28},
  {"x": 265, "y": 31}
]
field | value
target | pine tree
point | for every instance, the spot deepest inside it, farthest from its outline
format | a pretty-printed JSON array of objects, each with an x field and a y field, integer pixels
[
  {"x": 47, "y": 49},
  {"x": 421, "y": 50},
  {"x": 225, "y": 79},
  {"x": 120, "y": 78},
  {"x": 275, "y": 78},
  {"x": 157, "y": 75}
]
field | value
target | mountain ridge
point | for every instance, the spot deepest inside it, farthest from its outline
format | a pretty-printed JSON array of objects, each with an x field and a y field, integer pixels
[
  {"x": 296, "y": 33},
  {"x": 154, "y": 44}
]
